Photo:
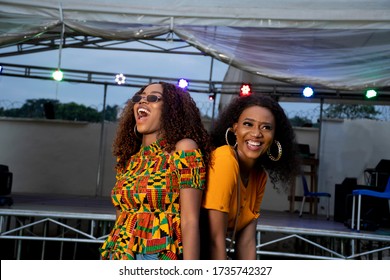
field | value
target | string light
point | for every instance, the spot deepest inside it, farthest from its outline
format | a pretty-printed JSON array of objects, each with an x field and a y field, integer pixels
[
  {"x": 308, "y": 92},
  {"x": 58, "y": 75},
  {"x": 120, "y": 79},
  {"x": 371, "y": 93},
  {"x": 245, "y": 89},
  {"x": 183, "y": 83}
]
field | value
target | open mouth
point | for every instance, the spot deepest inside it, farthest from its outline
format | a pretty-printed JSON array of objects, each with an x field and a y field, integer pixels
[
  {"x": 142, "y": 113},
  {"x": 253, "y": 145}
]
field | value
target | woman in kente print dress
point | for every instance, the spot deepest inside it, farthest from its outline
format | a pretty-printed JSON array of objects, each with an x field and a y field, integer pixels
[{"x": 162, "y": 152}]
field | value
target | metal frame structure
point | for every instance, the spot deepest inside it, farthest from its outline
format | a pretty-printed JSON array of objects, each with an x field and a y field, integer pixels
[
  {"x": 19, "y": 225},
  {"x": 51, "y": 40},
  {"x": 339, "y": 245},
  {"x": 165, "y": 44},
  {"x": 284, "y": 92}
]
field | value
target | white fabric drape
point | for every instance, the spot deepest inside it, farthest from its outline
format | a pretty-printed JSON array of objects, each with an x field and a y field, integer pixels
[
  {"x": 342, "y": 44},
  {"x": 333, "y": 58}
]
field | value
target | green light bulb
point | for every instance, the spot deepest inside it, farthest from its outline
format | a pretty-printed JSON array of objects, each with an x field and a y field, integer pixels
[
  {"x": 371, "y": 93},
  {"x": 58, "y": 75}
]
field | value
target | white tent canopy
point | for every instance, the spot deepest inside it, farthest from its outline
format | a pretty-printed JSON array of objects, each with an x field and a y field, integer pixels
[{"x": 339, "y": 44}]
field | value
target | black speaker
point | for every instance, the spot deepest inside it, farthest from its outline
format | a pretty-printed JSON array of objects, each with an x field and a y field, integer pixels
[
  {"x": 381, "y": 173},
  {"x": 5, "y": 186},
  {"x": 5, "y": 180},
  {"x": 341, "y": 192}
]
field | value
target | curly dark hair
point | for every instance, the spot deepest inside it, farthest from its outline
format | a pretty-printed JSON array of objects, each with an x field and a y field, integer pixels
[
  {"x": 180, "y": 118},
  {"x": 283, "y": 170}
]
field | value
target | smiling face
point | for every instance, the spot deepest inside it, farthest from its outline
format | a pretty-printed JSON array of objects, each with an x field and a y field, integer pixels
[
  {"x": 148, "y": 114},
  {"x": 255, "y": 132}
]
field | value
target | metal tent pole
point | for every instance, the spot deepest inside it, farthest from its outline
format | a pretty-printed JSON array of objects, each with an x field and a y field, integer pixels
[{"x": 99, "y": 188}]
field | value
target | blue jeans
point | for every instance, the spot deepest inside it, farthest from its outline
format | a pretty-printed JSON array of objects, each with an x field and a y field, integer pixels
[{"x": 146, "y": 257}]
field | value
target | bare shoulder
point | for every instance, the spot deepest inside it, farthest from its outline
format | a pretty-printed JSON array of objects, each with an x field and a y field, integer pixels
[{"x": 186, "y": 144}]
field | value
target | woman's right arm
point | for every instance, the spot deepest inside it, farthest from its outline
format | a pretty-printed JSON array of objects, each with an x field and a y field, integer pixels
[
  {"x": 217, "y": 233},
  {"x": 221, "y": 182}
]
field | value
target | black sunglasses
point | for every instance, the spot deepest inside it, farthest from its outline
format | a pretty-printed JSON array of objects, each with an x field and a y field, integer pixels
[{"x": 150, "y": 98}]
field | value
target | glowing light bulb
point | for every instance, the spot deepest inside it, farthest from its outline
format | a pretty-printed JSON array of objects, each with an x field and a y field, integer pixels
[
  {"x": 120, "y": 79},
  {"x": 308, "y": 92},
  {"x": 245, "y": 90},
  {"x": 371, "y": 93},
  {"x": 183, "y": 83},
  {"x": 58, "y": 75}
]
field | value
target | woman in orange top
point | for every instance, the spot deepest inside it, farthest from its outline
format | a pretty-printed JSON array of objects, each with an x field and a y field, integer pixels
[{"x": 254, "y": 139}]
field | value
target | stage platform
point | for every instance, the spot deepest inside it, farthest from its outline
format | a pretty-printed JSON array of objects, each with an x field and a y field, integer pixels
[{"x": 44, "y": 223}]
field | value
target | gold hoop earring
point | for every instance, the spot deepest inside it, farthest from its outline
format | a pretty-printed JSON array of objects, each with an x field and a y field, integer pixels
[
  {"x": 227, "y": 137},
  {"x": 136, "y": 133},
  {"x": 271, "y": 157}
]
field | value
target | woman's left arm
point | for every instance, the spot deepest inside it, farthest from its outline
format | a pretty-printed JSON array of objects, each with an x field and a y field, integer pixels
[
  {"x": 246, "y": 242},
  {"x": 190, "y": 201}
]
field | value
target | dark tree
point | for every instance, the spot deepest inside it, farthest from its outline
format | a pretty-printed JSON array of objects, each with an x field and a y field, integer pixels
[
  {"x": 300, "y": 121},
  {"x": 351, "y": 111},
  {"x": 52, "y": 109}
]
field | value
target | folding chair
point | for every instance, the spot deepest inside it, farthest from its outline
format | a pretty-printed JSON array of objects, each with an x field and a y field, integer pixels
[
  {"x": 358, "y": 193},
  {"x": 307, "y": 193}
]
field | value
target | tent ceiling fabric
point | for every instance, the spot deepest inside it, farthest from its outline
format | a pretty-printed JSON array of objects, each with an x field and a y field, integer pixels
[
  {"x": 342, "y": 45},
  {"x": 332, "y": 58},
  {"x": 243, "y": 13}
]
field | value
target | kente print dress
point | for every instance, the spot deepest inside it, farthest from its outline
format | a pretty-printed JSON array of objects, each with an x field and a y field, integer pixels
[{"x": 147, "y": 193}]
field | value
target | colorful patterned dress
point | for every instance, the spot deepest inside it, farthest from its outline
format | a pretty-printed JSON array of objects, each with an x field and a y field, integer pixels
[{"x": 148, "y": 194}]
